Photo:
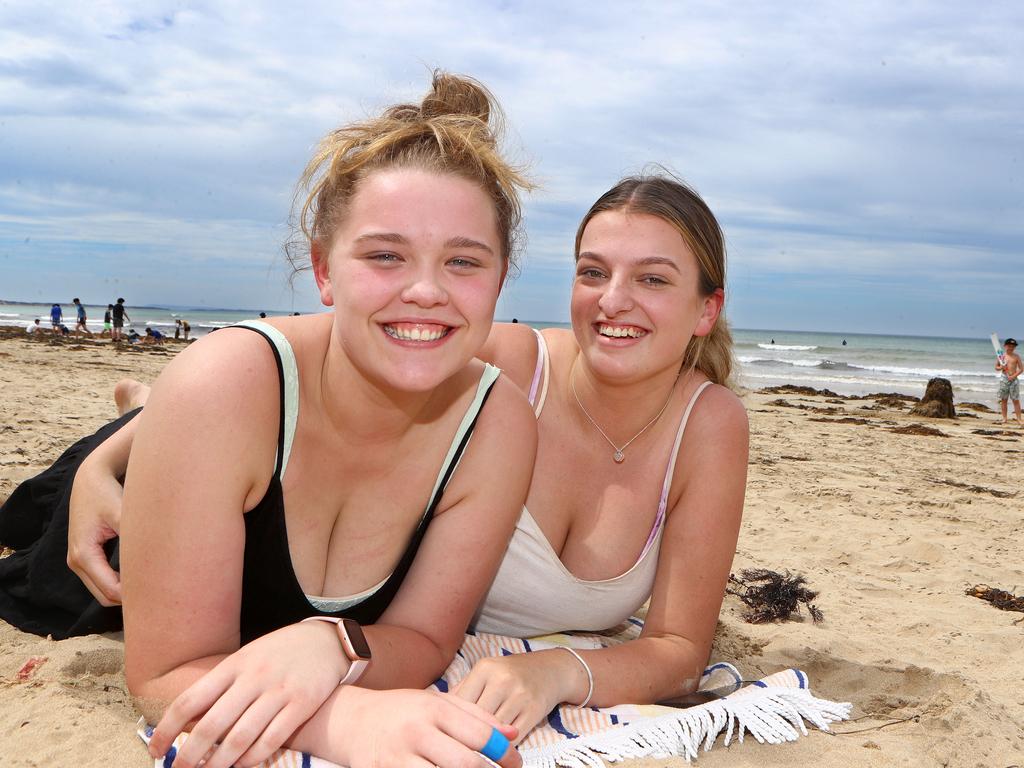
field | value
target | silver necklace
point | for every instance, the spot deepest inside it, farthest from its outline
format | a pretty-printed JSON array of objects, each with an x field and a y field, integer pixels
[{"x": 619, "y": 456}]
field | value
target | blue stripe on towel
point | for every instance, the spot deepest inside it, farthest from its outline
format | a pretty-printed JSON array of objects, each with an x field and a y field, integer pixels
[
  {"x": 801, "y": 677},
  {"x": 526, "y": 645},
  {"x": 442, "y": 685},
  {"x": 169, "y": 757},
  {"x": 307, "y": 761},
  {"x": 555, "y": 721},
  {"x": 759, "y": 683}
]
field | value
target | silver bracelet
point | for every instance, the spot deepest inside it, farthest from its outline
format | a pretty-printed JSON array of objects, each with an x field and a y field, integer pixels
[{"x": 590, "y": 675}]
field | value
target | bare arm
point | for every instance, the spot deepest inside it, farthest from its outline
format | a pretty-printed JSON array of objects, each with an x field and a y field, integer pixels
[
  {"x": 94, "y": 514},
  {"x": 513, "y": 348},
  {"x": 693, "y": 566}
]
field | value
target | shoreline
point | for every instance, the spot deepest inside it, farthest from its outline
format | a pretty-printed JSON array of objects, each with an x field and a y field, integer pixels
[{"x": 889, "y": 525}]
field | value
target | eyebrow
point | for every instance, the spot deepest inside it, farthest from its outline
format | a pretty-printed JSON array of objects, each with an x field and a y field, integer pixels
[
  {"x": 454, "y": 242},
  {"x": 646, "y": 261}
]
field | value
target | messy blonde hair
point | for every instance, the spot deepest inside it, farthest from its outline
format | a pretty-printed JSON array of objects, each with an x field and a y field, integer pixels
[
  {"x": 661, "y": 194},
  {"x": 456, "y": 129}
]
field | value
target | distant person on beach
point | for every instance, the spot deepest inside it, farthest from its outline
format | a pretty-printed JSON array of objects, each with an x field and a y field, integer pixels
[
  {"x": 638, "y": 488},
  {"x": 153, "y": 336},
  {"x": 80, "y": 326},
  {"x": 108, "y": 321},
  {"x": 1010, "y": 368},
  {"x": 33, "y": 327},
  {"x": 186, "y": 329},
  {"x": 56, "y": 318},
  {"x": 177, "y": 329},
  {"x": 119, "y": 315},
  {"x": 263, "y": 315},
  {"x": 358, "y": 467}
]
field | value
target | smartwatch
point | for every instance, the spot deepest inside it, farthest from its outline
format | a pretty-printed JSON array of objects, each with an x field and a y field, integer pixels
[{"x": 353, "y": 643}]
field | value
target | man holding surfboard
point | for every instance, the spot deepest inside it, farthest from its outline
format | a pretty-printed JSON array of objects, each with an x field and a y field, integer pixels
[{"x": 1010, "y": 367}]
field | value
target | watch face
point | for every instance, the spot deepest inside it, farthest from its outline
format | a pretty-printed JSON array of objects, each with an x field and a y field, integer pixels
[{"x": 357, "y": 639}]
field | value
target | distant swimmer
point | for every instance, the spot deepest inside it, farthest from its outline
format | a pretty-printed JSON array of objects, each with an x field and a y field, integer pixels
[
  {"x": 844, "y": 342},
  {"x": 773, "y": 341}
]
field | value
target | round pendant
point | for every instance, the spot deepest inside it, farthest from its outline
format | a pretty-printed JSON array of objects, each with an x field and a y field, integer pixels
[{"x": 619, "y": 457}]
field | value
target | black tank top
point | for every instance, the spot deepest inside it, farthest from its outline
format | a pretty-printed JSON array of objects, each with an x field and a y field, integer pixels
[{"x": 271, "y": 594}]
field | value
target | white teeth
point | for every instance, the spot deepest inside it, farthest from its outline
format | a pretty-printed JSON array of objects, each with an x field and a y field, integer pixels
[
  {"x": 414, "y": 334},
  {"x": 620, "y": 332}
]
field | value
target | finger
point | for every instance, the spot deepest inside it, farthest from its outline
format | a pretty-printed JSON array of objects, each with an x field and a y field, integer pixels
[
  {"x": 246, "y": 732},
  {"x": 214, "y": 726},
  {"x": 106, "y": 594},
  {"x": 188, "y": 706},
  {"x": 105, "y": 580},
  {"x": 274, "y": 735},
  {"x": 477, "y": 712},
  {"x": 470, "y": 687},
  {"x": 446, "y": 752},
  {"x": 511, "y": 709},
  {"x": 469, "y": 729}
]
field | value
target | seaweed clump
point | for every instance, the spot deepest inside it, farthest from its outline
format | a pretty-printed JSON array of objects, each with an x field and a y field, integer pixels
[
  {"x": 1000, "y": 598},
  {"x": 771, "y": 596}
]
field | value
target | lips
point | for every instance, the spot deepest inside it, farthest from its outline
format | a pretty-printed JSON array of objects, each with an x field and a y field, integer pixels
[
  {"x": 620, "y": 331},
  {"x": 417, "y": 332}
]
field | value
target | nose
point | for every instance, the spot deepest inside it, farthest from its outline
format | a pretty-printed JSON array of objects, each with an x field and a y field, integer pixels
[
  {"x": 616, "y": 298},
  {"x": 425, "y": 290}
]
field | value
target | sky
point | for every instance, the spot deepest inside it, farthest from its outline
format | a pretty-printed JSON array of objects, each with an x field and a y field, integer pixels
[{"x": 865, "y": 160}]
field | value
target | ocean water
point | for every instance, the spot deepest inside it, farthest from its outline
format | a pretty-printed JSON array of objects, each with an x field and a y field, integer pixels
[
  {"x": 866, "y": 363},
  {"x": 201, "y": 321}
]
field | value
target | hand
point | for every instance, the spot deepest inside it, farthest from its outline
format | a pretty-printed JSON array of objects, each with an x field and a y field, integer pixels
[
  {"x": 522, "y": 688},
  {"x": 396, "y": 729},
  {"x": 94, "y": 517},
  {"x": 253, "y": 700}
]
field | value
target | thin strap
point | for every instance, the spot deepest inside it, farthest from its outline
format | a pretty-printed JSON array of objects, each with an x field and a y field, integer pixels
[
  {"x": 483, "y": 388},
  {"x": 670, "y": 470},
  {"x": 288, "y": 372},
  {"x": 541, "y": 373}
]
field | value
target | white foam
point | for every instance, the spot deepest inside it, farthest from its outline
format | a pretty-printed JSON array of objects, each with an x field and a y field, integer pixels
[{"x": 788, "y": 347}]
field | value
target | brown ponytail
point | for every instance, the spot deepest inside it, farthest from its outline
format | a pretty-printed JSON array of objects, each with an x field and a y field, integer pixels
[{"x": 663, "y": 195}]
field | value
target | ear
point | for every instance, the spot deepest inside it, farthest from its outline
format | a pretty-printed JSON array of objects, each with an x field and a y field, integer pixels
[
  {"x": 709, "y": 316},
  {"x": 321, "y": 273}
]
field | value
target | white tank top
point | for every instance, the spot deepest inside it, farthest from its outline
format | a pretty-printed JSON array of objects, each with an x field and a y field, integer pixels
[{"x": 535, "y": 594}]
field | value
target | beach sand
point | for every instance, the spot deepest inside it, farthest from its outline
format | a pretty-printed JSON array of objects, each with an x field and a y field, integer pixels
[{"x": 890, "y": 528}]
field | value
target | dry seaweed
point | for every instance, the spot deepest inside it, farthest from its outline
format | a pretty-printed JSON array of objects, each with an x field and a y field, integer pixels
[
  {"x": 1000, "y": 598},
  {"x": 919, "y": 429},
  {"x": 792, "y": 389},
  {"x": 771, "y": 596}
]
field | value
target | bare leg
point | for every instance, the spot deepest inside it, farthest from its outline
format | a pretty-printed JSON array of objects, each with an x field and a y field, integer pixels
[
  {"x": 1016, "y": 412},
  {"x": 1002, "y": 409},
  {"x": 130, "y": 394}
]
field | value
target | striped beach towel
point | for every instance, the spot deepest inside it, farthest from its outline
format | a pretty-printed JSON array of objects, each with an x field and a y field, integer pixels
[{"x": 773, "y": 710}]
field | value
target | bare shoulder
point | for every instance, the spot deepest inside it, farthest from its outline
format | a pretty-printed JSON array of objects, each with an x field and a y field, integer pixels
[
  {"x": 513, "y": 348},
  {"x": 718, "y": 419},
  {"x": 508, "y": 413},
  {"x": 232, "y": 367}
]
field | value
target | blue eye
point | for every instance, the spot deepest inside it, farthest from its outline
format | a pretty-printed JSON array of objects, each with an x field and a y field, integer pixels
[
  {"x": 462, "y": 262},
  {"x": 591, "y": 273},
  {"x": 385, "y": 258}
]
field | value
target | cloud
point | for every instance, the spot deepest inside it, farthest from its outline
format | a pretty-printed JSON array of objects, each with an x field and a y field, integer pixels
[{"x": 868, "y": 141}]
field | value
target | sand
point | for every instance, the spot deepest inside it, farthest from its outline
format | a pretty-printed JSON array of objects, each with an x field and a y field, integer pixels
[{"x": 890, "y": 528}]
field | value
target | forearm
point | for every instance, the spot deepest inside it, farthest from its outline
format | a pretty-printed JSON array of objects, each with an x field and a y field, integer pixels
[
  {"x": 324, "y": 734},
  {"x": 642, "y": 671},
  {"x": 402, "y": 658},
  {"x": 152, "y": 697},
  {"x": 111, "y": 456}
]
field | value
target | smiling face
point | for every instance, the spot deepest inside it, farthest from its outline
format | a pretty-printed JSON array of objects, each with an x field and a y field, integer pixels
[
  {"x": 413, "y": 270},
  {"x": 635, "y": 299}
]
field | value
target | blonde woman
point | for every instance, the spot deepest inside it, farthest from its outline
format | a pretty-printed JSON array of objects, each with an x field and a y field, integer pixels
[{"x": 326, "y": 471}]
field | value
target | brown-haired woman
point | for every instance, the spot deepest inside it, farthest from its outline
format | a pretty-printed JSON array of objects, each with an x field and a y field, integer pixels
[
  {"x": 307, "y": 454},
  {"x": 641, "y": 463}
]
